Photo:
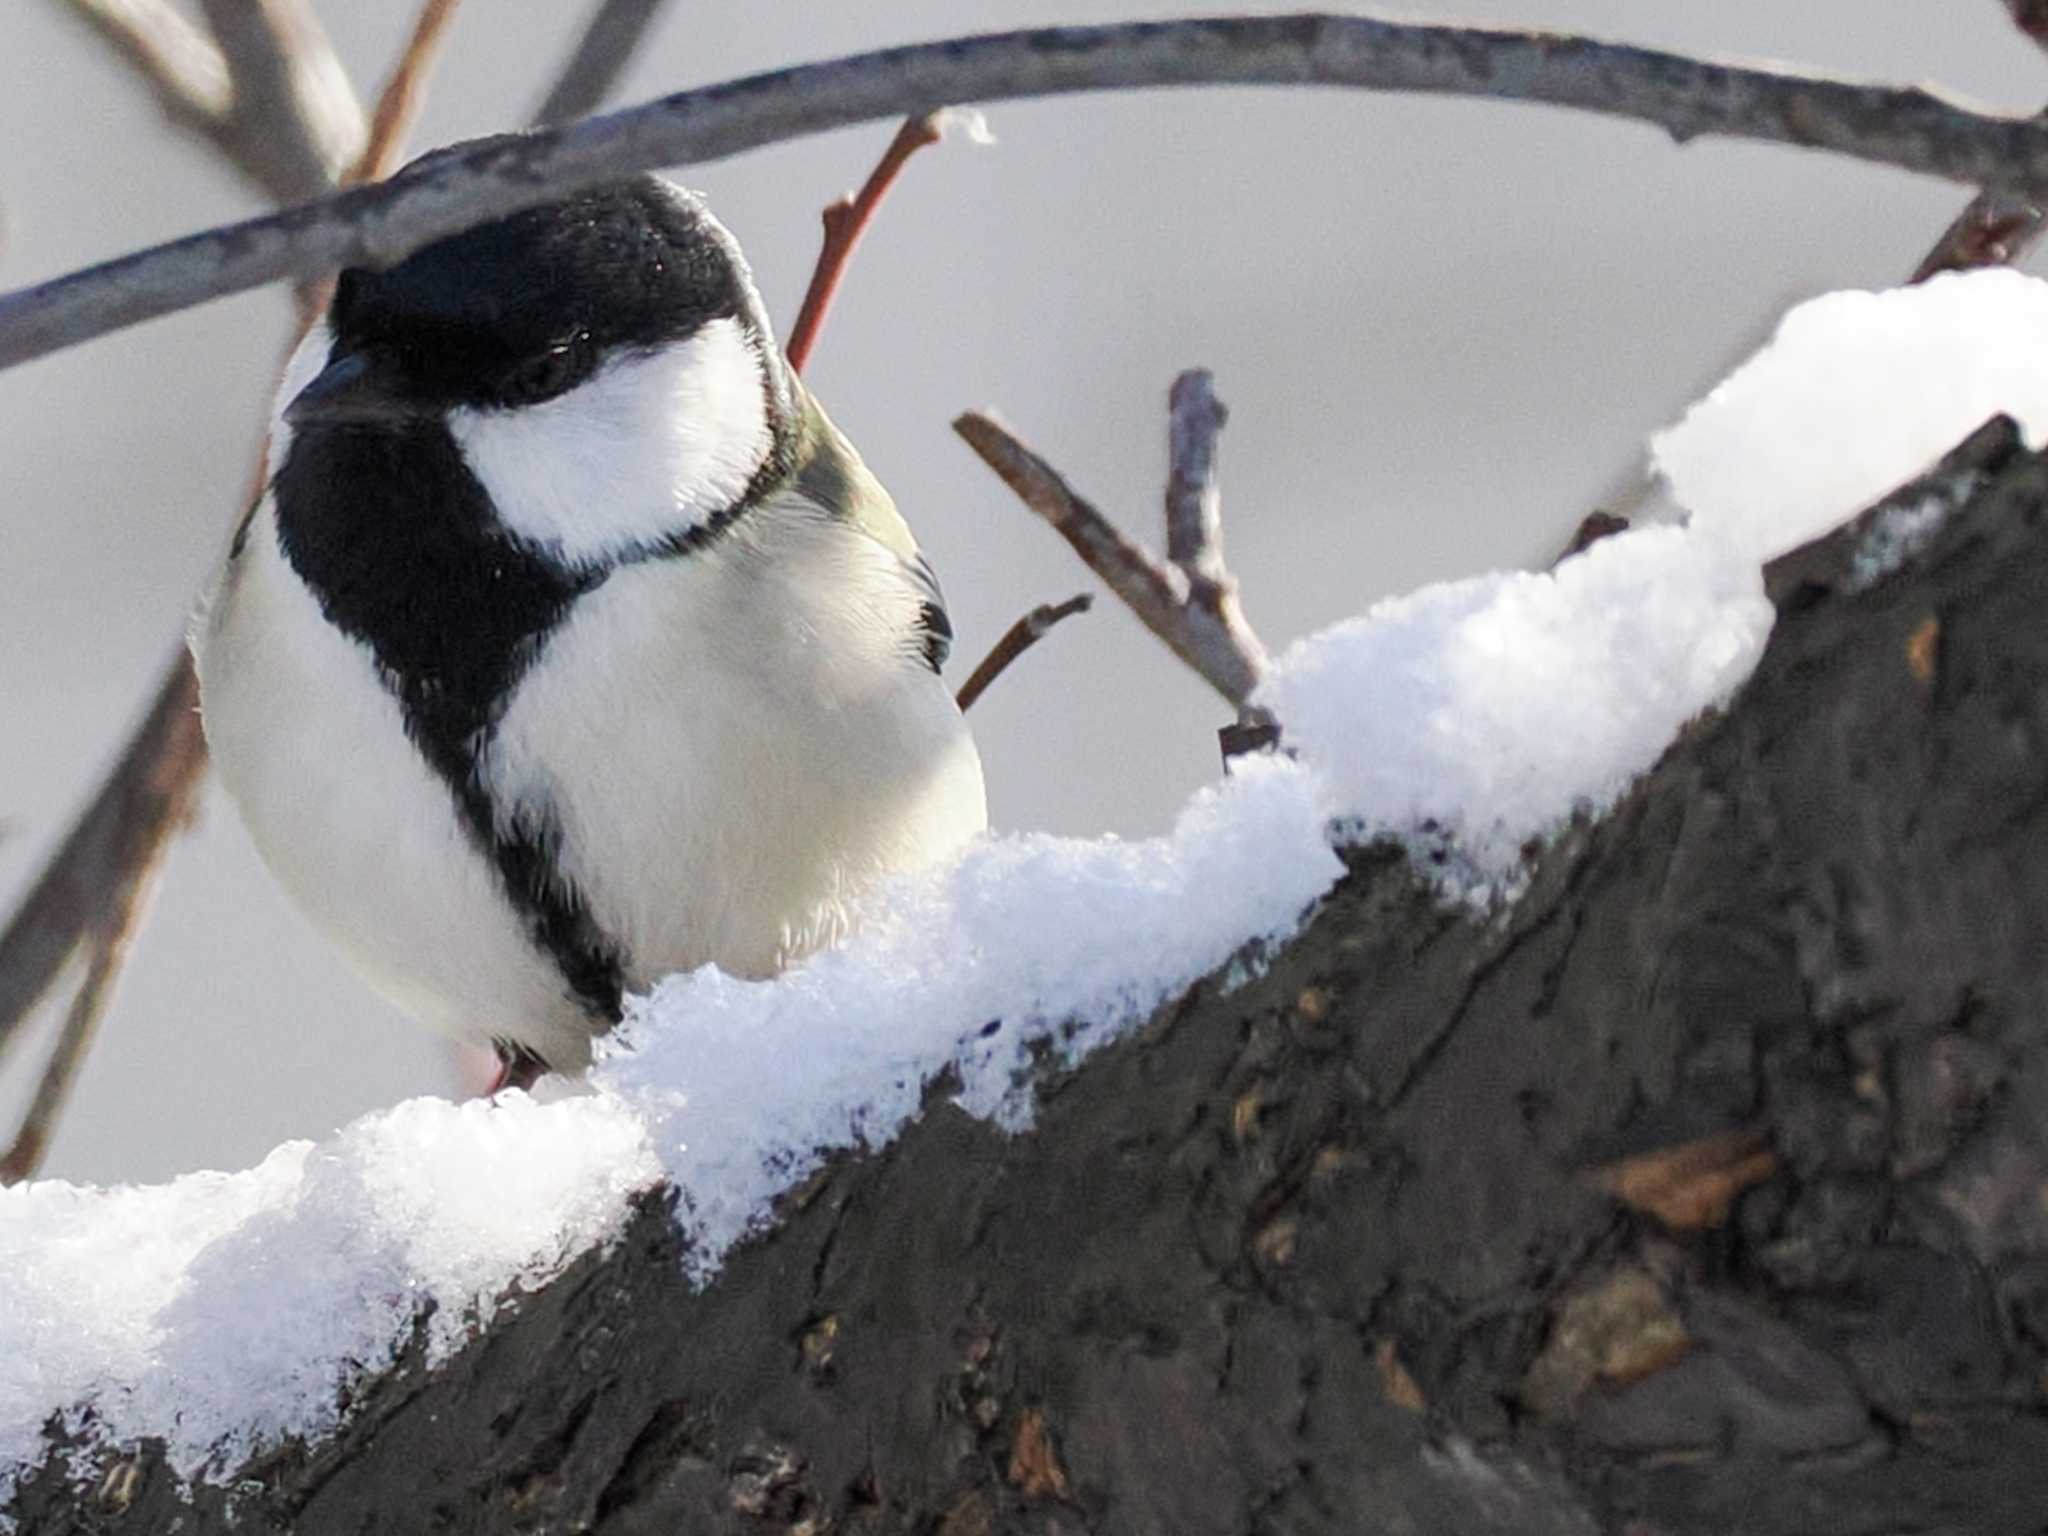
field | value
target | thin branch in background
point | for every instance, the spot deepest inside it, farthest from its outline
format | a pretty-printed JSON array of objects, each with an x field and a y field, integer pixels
[
  {"x": 266, "y": 90},
  {"x": 376, "y": 226},
  {"x": 1226, "y": 656},
  {"x": 610, "y": 39},
  {"x": 404, "y": 95},
  {"x": 847, "y": 219},
  {"x": 172, "y": 56},
  {"x": 391, "y": 124},
  {"x": 93, "y": 895},
  {"x": 1018, "y": 639},
  {"x": 292, "y": 108},
  {"x": 107, "y": 955}
]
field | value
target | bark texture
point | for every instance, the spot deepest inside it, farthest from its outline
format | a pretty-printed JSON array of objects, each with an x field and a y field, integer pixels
[{"x": 1702, "y": 1191}]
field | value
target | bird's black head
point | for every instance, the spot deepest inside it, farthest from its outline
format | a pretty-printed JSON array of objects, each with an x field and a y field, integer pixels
[
  {"x": 599, "y": 370},
  {"x": 522, "y": 310}
]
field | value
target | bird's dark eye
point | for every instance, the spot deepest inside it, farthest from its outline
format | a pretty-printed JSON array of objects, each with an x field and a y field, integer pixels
[{"x": 547, "y": 374}]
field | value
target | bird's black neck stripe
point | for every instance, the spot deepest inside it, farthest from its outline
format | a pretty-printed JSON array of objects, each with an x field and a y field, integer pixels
[{"x": 397, "y": 539}]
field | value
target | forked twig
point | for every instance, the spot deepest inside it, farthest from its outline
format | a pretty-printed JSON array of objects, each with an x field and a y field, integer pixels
[
  {"x": 846, "y": 220},
  {"x": 266, "y": 90},
  {"x": 1192, "y": 604},
  {"x": 290, "y": 98},
  {"x": 1018, "y": 639}
]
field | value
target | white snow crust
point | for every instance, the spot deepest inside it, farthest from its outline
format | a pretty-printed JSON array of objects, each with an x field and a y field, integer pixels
[{"x": 225, "y": 1311}]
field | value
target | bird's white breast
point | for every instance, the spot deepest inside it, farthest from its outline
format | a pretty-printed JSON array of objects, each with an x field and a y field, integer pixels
[
  {"x": 735, "y": 743},
  {"x": 353, "y": 823}
]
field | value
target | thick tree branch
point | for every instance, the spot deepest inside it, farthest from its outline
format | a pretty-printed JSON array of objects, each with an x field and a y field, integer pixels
[
  {"x": 613, "y": 35},
  {"x": 1909, "y": 128},
  {"x": 1697, "y": 1191}
]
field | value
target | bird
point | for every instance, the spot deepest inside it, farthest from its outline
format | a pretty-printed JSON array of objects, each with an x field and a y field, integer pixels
[{"x": 569, "y": 643}]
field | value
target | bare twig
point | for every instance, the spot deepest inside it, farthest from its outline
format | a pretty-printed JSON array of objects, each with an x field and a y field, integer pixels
[
  {"x": 1156, "y": 593},
  {"x": 1018, "y": 639},
  {"x": 173, "y": 57},
  {"x": 375, "y": 226},
  {"x": 107, "y": 954},
  {"x": 404, "y": 93},
  {"x": 1194, "y": 505},
  {"x": 846, "y": 220},
  {"x": 291, "y": 108},
  {"x": 94, "y": 893},
  {"x": 1995, "y": 229},
  {"x": 1194, "y": 543},
  {"x": 234, "y": 102},
  {"x": 614, "y": 33}
]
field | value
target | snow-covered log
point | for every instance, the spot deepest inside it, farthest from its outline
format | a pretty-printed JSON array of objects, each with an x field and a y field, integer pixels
[{"x": 1699, "y": 1190}]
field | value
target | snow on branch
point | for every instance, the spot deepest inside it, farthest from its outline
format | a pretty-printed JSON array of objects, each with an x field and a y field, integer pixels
[{"x": 1911, "y": 128}]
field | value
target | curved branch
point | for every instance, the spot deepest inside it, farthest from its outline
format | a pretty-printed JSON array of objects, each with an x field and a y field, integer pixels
[{"x": 1913, "y": 129}]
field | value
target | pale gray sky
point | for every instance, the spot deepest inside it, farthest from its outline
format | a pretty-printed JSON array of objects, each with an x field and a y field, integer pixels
[{"x": 1443, "y": 329}]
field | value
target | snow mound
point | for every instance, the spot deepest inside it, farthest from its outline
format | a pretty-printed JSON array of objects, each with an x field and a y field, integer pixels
[
  {"x": 226, "y": 1311},
  {"x": 1855, "y": 394}
]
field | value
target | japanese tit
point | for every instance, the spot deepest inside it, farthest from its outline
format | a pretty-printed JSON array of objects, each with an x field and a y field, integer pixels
[{"x": 570, "y": 644}]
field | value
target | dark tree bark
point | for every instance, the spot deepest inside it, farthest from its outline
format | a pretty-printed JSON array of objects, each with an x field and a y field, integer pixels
[{"x": 1702, "y": 1192}]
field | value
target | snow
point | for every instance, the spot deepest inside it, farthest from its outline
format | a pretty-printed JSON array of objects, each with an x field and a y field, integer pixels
[
  {"x": 225, "y": 1311},
  {"x": 219, "y": 1309},
  {"x": 1489, "y": 710},
  {"x": 1857, "y": 393}
]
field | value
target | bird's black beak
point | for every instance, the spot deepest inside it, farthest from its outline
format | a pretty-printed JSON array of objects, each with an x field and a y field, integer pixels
[{"x": 348, "y": 392}]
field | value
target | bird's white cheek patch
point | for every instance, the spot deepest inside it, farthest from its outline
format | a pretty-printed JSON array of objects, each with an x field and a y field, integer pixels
[{"x": 646, "y": 449}]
